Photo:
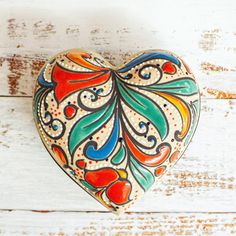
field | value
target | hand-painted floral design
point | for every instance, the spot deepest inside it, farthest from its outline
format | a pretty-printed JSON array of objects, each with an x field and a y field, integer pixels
[
  {"x": 110, "y": 180},
  {"x": 116, "y": 130}
]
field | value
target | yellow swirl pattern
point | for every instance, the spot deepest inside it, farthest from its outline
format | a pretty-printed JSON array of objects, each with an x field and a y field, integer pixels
[{"x": 183, "y": 110}]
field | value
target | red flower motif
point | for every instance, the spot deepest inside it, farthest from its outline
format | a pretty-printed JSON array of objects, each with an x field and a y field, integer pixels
[
  {"x": 169, "y": 68},
  {"x": 117, "y": 189},
  {"x": 148, "y": 160},
  {"x": 67, "y": 82}
]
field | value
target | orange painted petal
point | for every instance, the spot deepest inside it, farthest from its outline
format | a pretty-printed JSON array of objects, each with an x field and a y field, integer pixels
[
  {"x": 102, "y": 177},
  {"x": 79, "y": 58},
  {"x": 159, "y": 171},
  {"x": 174, "y": 157},
  {"x": 183, "y": 110},
  {"x": 148, "y": 160},
  {"x": 119, "y": 192},
  {"x": 60, "y": 156}
]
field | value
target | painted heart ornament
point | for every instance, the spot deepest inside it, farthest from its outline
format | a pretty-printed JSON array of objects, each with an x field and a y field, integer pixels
[{"x": 116, "y": 130}]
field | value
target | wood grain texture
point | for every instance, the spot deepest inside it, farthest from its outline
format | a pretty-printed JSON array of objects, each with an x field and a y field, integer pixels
[
  {"x": 36, "y": 198},
  {"x": 203, "y": 180},
  {"x": 29, "y": 38},
  {"x": 148, "y": 224}
]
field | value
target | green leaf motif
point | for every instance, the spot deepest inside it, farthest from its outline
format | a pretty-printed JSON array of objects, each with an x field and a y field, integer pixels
[
  {"x": 87, "y": 185},
  {"x": 196, "y": 106},
  {"x": 143, "y": 176},
  {"x": 89, "y": 124},
  {"x": 37, "y": 97},
  {"x": 146, "y": 107},
  {"x": 182, "y": 86},
  {"x": 195, "y": 112},
  {"x": 119, "y": 156}
]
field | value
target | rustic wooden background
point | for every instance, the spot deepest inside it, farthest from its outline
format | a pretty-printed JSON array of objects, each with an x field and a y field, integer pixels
[{"x": 198, "y": 196}]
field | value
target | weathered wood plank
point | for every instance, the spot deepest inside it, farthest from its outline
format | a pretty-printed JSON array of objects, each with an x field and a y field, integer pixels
[
  {"x": 80, "y": 223},
  {"x": 203, "y": 180},
  {"x": 32, "y": 32}
]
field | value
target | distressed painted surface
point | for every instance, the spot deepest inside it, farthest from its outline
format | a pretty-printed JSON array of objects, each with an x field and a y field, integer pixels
[
  {"x": 18, "y": 74},
  {"x": 29, "y": 37},
  {"x": 205, "y": 176},
  {"x": 203, "y": 181},
  {"x": 80, "y": 223}
]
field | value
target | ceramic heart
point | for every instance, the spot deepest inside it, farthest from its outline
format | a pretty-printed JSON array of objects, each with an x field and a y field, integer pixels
[{"x": 116, "y": 130}]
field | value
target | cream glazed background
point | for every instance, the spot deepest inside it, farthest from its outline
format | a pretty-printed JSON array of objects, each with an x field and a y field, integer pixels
[
  {"x": 82, "y": 98},
  {"x": 198, "y": 194}
]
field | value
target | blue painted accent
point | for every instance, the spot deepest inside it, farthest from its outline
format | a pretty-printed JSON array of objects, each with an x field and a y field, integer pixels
[
  {"x": 106, "y": 150},
  {"x": 55, "y": 127},
  {"x": 151, "y": 140},
  {"x": 147, "y": 76},
  {"x": 99, "y": 91},
  {"x": 43, "y": 82},
  {"x": 141, "y": 124},
  {"x": 146, "y": 56},
  {"x": 47, "y": 115}
]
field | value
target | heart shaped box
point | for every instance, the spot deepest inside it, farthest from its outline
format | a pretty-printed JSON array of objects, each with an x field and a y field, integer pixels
[{"x": 116, "y": 130}]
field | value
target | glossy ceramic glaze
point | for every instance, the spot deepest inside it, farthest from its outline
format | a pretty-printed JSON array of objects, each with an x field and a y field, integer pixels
[{"x": 116, "y": 130}]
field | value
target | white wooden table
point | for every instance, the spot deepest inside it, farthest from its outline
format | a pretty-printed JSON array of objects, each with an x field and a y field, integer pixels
[{"x": 198, "y": 196}]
